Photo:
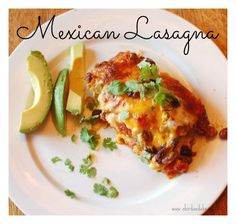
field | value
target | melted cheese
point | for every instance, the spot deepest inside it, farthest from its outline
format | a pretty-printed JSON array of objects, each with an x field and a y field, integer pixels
[{"x": 162, "y": 124}]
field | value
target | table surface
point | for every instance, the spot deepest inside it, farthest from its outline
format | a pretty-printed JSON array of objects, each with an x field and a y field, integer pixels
[{"x": 204, "y": 19}]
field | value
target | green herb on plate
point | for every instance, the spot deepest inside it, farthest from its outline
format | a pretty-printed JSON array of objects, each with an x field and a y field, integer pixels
[
  {"x": 165, "y": 98},
  {"x": 117, "y": 88},
  {"x": 91, "y": 172},
  {"x": 89, "y": 137},
  {"x": 148, "y": 71},
  {"x": 100, "y": 189},
  {"x": 113, "y": 192},
  {"x": 106, "y": 181},
  {"x": 108, "y": 143},
  {"x": 69, "y": 193},
  {"x": 56, "y": 159},
  {"x": 103, "y": 190},
  {"x": 68, "y": 163},
  {"x": 133, "y": 86},
  {"x": 86, "y": 167}
]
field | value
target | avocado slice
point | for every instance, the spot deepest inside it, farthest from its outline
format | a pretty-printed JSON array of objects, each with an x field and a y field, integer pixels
[
  {"x": 59, "y": 99},
  {"x": 74, "y": 103},
  {"x": 76, "y": 79},
  {"x": 41, "y": 82}
]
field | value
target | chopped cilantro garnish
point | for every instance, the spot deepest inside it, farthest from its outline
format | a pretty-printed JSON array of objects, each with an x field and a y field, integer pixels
[
  {"x": 117, "y": 88},
  {"x": 165, "y": 98},
  {"x": 73, "y": 138},
  {"x": 56, "y": 159},
  {"x": 83, "y": 169},
  {"x": 69, "y": 193},
  {"x": 108, "y": 143},
  {"x": 102, "y": 190},
  {"x": 106, "y": 181},
  {"x": 89, "y": 137},
  {"x": 148, "y": 71},
  {"x": 68, "y": 163},
  {"x": 134, "y": 86},
  {"x": 113, "y": 193},
  {"x": 88, "y": 161},
  {"x": 158, "y": 81},
  {"x": 91, "y": 172},
  {"x": 150, "y": 85},
  {"x": 145, "y": 157},
  {"x": 86, "y": 167}
]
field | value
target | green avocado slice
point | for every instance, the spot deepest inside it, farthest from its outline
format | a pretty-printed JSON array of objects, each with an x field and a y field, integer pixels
[
  {"x": 41, "y": 82},
  {"x": 59, "y": 100}
]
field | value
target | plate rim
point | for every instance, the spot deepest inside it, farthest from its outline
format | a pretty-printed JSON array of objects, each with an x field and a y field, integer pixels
[{"x": 68, "y": 12}]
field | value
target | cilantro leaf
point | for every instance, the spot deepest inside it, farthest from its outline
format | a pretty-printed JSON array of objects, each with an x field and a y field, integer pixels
[
  {"x": 83, "y": 169},
  {"x": 100, "y": 189},
  {"x": 56, "y": 159},
  {"x": 134, "y": 86},
  {"x": 148, "y": 71},
  {"x": 91, "y": 172},
  {"x": 113, "y": 192},
  {"x": 69, "y": 193},
  {"x": 165, "y": 98},
  {"x": 143, "y": 64},
  {"x": 117, "y": 88},
  {"x": 89, "y": 137},
  {"x": 86, "y": 167},
  {"x": 106, "y": 181},
  {"x": 150, "y": 85},
  {"x": 108, "y": 143},
  {"x": 68, "y": 163},
  {"x": 88, "y": 160}
]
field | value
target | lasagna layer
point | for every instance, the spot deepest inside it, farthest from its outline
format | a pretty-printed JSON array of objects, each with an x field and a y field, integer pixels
[{"x": 152, "y": 112}]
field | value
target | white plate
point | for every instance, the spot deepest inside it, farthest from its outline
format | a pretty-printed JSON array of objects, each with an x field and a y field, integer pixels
[{"x": 36, "y": 185}]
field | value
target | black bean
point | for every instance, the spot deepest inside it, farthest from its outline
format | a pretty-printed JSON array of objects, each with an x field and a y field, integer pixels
[
  {"x": 151, "y": 150},
  {"x": 96, "y": 112},
  {"x": 186, "y": 151},
  {"x": 175, "y": 102}
]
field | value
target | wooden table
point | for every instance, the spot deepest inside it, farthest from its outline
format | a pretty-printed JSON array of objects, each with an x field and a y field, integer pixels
[{"x": 205, "y": 19}]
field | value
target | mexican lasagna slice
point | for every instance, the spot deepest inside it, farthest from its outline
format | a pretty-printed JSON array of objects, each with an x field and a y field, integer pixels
[{"x": 152, "y": 112}]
